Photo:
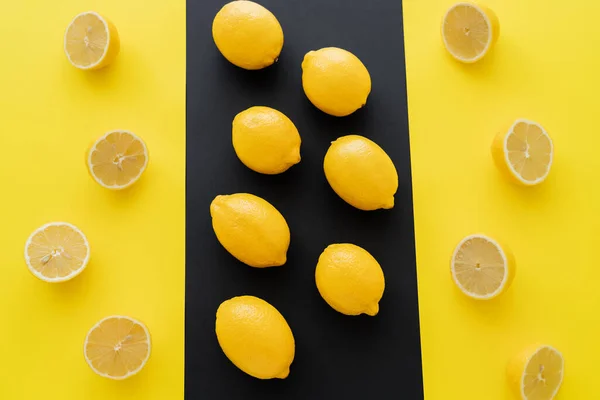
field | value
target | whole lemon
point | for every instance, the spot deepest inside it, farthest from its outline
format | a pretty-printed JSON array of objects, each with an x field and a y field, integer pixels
[
  {"x": 335, "y": 81},
  {"x": 361, "y": 173},
  {"x": 350, "y": 279},
  {"x": 251, "y": 229},
  {"x": 255, "y": 337},
  {"x": 247, "y": 34},
  {"x": 265, "y": 140}
]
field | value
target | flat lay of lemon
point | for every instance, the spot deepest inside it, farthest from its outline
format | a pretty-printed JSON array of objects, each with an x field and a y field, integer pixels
[
  {"x": 481, "y": 268},
  {"x": 350, "y": 279},
  {"x": 469, "y": 31},
  {"x": 266, "y": 140},
  {"x": 335, "y": 81},
  {"x": 247, "y": 34},
  {"x": 536, "y": 373},
  {"x": 251, "y": 229},
  {"x": 57, "y": 252},
  {"x": 255, "y": 337},
  {"x": 524, "y": 154},
  {"x": 117, "y": 159},
  {"x": 361, "y": 173},
  {"x": 91, "y": 41},
  {"x": 117, "y": 347}
]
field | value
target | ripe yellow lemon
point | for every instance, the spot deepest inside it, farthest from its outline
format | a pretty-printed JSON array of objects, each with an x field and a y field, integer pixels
[
  {"x": 251, "y": 229},
  {"x": 350, "y": 280},
  {"x": 335, "y": 81},
  {"x": 536, "y": 373},
  {"x": 255, "y": 337},
  {"x": 481, "y": 268},
  {"x": 361, "y": 173},
  {"x": 469, "y": 31},
  {"x": 266, "y": 140},
  {"x": 91, "y": 41},
  {"x": 57, "y": 252},
  {"x": 117, "y": 347},
  {"x": 524, "y": 154},
  {"x": 117, "y": 159},
  {"x": 247, "y": 34}
]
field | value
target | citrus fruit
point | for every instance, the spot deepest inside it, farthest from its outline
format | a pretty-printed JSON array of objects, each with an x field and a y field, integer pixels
[
  {"x": 469, "y": 31},
  {"x": 536, "y": 373},
  {"x": 91, "y": 41},
  {"x": 117, "y": 159},
  {"x": 255, "y": 337},
  {"x": 250, "y": 229},
  {"x": 350, "y": 279},
  {"x": 117, "y": 347},
  {"x": 481, "y": 268},
  {"x": 524, "y": 154},
  {"x": 361, "y": 173},
  {"x": 335, "y": 81},
  {"x": 265, "y": 140},
  {"x": 247, "y": 34},
  {"x": 57, "y": 252}
]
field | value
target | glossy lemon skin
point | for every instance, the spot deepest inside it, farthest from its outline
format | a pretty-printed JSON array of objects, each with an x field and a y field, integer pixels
[
  {"x": 247, "y": 34},
  {"x": 350, "y": 279},
  {"x": 361, "y": 173},
  {"x": 335, "y": 81},
  {"x": 255, "y": 337},
  {"x": 251, "y": 229},
  {"x": 266, "y": 140}
]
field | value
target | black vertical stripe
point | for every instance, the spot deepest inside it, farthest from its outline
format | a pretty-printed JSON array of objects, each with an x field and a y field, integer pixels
[{"x": 337, "y": 357}]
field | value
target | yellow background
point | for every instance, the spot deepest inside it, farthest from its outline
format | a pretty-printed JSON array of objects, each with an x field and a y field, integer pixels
[
  {"x": 50, "y": 114},
  {"x": 545, "y": 67}
]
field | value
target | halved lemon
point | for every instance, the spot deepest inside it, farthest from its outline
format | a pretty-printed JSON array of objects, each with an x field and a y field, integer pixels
[
  {"x": 524, "y": 153},
  {"x": 117, "y": 347},
  {"x": 91, "y": 41},
  {"x": 469, "y": 30},
  {"x": 57, "y": 252},
  {"x": 481, "y": 268},
  {"x": 118, "y": 159},
  {"x": 536, "y": 373}
]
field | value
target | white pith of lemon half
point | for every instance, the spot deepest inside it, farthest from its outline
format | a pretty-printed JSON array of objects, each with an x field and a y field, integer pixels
[
  {"x": 481, "y": 268},
  {"x": 57, "y": 252}
]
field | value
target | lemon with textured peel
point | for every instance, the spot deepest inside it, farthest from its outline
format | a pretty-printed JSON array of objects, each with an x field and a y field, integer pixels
[
  {"x": 57, "y": 252},
  {"x": 469, "y": 31},
  {"x": 361, "y": 173},
  {"x": 255, "y": 337},
  {"x": 335, "y": 81},
  {"x": 350, "y": 279},
  {"x": 91, "y": 41},
  {"x": 117, "y": 159},
  {"x": 481, "y": 268},
  {"x": 265, "y": 140},
  {"x": 536, "y": 373},
  {"x": 117, "y": 347},
  {"x": 524, "y": 154},
  {"x": 247, "y": 34},
  {"x": 251, "y": 229}
]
